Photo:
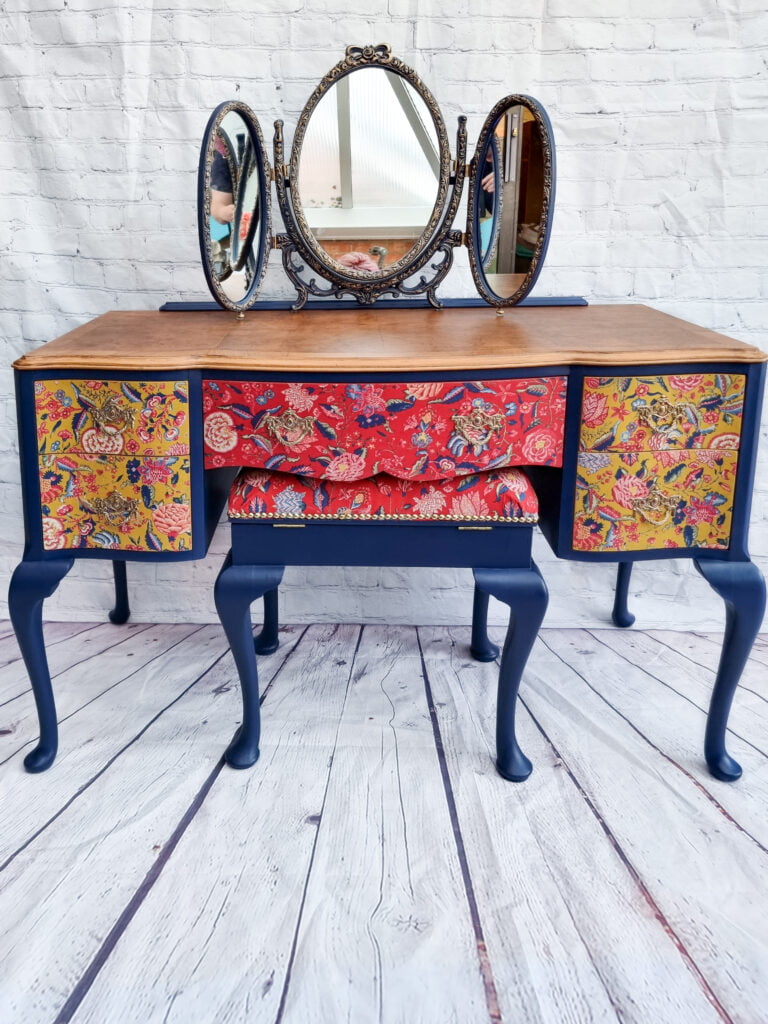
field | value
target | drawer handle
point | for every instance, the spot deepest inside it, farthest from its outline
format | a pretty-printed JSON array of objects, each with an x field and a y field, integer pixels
[
  {"x": 115, "y": 508},
  {"x": 112, "y": 417},
  {"x": 655, "y": 507},
  {"x": 664, "y": 415},
  {"x": 477, "y": 428},
  {"x": 289, "y": 428}
]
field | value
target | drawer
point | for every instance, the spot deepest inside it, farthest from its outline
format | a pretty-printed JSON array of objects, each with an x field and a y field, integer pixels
[
  {"x": 421, "y": 430},
  {"x": 641, "y": 501},
  {"x": 115, "y": 503},
  {"x": 656, "y": 413},
  {"x": 110, "y": 417}
]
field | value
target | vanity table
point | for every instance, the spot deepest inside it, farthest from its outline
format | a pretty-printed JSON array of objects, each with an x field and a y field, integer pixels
[
  {"x": 639, "y": 431},
  {"x": 401, "y": 435}
]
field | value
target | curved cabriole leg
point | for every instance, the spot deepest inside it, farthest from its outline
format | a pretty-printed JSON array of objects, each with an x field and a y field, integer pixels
[
  {"x": 481, "y": 648},
  {"x": 31, "y": 583},
  {"x": 122, "y": 610},
  {"x": 742, "y": 587},
  {"x": 622, "y": 616},
  {"x": 236, "y": 588},
  {"x": 525, "y": 591},
  {"x": 267, "y": 641}
]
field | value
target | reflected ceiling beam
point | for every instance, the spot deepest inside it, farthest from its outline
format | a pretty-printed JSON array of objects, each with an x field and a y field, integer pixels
[
  {"x": 414, "y": 120},
  {"x": 345, "y": 146}
]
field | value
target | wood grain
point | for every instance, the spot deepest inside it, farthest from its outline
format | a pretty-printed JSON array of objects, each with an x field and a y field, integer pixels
[{"x": 365, "y": 340}]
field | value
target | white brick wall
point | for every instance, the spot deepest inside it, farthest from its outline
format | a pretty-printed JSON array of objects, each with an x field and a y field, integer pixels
[{"x": 660, "y": 111}]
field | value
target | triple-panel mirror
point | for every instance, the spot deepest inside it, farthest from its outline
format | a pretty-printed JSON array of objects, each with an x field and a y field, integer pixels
[{"x": 370, "y": 193}]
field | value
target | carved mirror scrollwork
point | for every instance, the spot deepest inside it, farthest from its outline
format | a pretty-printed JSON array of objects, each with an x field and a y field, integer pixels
[
  {"x": 370, "y": 193},
  {"x": 234, "y": 205}
]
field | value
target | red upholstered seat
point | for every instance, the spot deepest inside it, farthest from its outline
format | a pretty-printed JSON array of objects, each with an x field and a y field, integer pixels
[{"x": 504, "y": 496}]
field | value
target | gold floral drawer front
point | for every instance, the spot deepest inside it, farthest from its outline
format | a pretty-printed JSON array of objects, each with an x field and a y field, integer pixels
[
  {"x": 111, "y": 417},
  {"x": 113, "y": 460},
  {"x": 653, "y": 413},
  {"x": 657, "y": 462}
]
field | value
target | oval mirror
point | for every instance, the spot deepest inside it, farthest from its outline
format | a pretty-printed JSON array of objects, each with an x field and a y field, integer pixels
[
  {"x": 370, "y": 167},
  {"x": 233, "y": 205},
  {"x": 511, "y": 200}
]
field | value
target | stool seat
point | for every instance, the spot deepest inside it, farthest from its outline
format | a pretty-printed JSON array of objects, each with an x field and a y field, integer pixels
[{"x": 500, "y": 496}]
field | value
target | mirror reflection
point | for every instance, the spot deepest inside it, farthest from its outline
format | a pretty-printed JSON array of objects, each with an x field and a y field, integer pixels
[
  {"x": 369, "y": 170},
  {"x": 511, "y": 200},
  {"x": 233, "y": 212}
]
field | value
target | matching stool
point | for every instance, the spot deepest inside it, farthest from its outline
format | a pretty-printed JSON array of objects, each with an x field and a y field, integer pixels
[{"x": 482, "y": 521}]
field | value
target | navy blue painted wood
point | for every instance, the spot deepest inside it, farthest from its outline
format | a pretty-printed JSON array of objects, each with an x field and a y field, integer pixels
[
  {"x": 122, "y": 610},
  {"x": 481, "y": 647},
  {"x": 214, "y": 307},
  {"x": 236, "y": 588},
  {"x": 285, "y": 542},
  {"x": 525, "y": 591},
  {"x": 621, "y": 614},
  {"x": 268, "y": 641},
  {"x": 31, "y": 583},
  {"x": 742, "y": 588}
]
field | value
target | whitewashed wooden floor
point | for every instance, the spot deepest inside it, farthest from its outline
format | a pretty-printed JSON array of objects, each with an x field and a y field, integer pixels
[{"x": 372, "y": 866}]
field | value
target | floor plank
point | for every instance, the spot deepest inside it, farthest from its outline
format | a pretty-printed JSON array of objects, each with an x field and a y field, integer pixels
[{"x": 88, "y": 677}]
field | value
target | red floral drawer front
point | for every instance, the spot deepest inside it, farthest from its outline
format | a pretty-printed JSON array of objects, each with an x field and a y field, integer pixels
[
  {"x": 429, "y": 431},
  {"x": 503, "y": 496}
]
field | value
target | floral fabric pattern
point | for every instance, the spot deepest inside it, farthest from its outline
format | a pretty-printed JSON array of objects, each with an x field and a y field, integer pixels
[
  {"x": 695, "y": 410},
  {"x": 114, "y": 465},
  {"x": 345, "y": 432},
  {"x": 499, "y": 496},
  {"x": 657, "y": 465}
]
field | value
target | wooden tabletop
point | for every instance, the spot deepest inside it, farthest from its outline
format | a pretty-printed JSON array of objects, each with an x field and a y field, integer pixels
[{"x": 410, "y": 340}]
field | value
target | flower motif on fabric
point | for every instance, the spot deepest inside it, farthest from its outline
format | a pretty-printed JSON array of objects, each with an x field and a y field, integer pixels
[
  {"x": 299, "y": 398},
  {"x": 504, "y": 496},
  {"x": 172, "y": 518},
  {"x": 54, "y": 537},
  {"x": 347, "y": 466},
  {"x": 219, "y": 432}
]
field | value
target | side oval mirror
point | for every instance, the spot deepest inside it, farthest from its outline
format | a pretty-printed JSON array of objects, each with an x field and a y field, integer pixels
[
  {"x": 233, "y": 205},
  {"x": 511, "y": 200}
]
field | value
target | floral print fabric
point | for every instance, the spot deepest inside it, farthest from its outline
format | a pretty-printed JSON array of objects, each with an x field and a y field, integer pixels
[
  {"x": 657, "y": 465},
  {"x": 346, "y": 432},
  {"x": 500, "y": 496},
  {"x": 113, "y": 460}
]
